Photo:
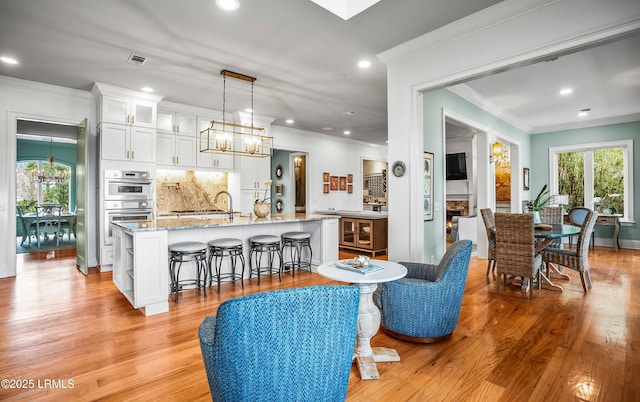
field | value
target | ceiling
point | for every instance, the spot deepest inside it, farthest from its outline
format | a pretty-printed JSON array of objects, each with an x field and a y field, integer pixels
[
  {"x": 304, "y": 58},
  {"x": 604, "y": 79}
]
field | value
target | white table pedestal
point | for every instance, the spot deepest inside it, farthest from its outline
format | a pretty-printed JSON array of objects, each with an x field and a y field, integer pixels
[
  {"x": 368, "y": 325},
  {"x": 368, "y": 322}
]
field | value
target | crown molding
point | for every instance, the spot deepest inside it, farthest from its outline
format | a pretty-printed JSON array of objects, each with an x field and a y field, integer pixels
[
  {"x": 605, "y": 121},
  {"x": 18, "y": 83},
  {"x": 465, "y": 92}
]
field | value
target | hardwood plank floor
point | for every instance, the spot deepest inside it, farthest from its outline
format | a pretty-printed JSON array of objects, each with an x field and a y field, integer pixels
[{"x": 77, "y": 338}]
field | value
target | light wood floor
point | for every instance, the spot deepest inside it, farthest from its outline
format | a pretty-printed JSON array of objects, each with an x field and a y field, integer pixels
[{"x": 56, "y": 324}]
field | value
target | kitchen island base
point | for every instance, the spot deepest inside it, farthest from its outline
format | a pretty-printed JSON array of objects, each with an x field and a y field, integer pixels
[{"x": 140, "y": 262}]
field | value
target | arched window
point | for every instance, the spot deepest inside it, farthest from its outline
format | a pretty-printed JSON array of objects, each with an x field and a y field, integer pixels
[{"x": 42, "y": 182}]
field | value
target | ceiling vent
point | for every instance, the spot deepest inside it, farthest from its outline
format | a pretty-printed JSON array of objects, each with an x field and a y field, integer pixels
[{"x": 137, "y": 59}]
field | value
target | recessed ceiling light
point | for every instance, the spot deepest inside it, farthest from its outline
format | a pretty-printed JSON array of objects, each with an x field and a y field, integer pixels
[
  {"x": 347, "y": 132},
  {"x": 584, "y": 112},
  {"x": 289, "y": 121},
  {"x": 228, "y": 5},
  {"x": 327, "y": 128},
  {"x": 248, "y": 110},
  {"x": 566, "y": 91},
  {"x": 147, "y": 89},
  {"x": 364, "y": 64},
  {"x": 8, "y": 60},
  {"x": 348, "y": 113}
]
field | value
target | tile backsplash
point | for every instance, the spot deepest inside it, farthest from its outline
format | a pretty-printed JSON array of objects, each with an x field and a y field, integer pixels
[{"x": 182, "y": 190}]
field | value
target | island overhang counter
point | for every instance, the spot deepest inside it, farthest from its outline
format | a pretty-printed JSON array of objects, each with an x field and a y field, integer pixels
[{"x": 140, "y": 249}]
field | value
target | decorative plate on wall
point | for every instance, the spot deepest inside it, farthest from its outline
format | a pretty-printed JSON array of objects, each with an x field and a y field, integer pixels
[
  {"x": 279, "y": 171},
  {"x": 398, "y": 168},
  {"x": 279, "y": 205}
]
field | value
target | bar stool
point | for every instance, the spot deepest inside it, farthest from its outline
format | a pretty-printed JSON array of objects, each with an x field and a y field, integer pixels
[
  {"x": 221, "y": 248},
  {"x": 187, "y": 251},
  {"x": 296, "y": 241},
  {"x": 258, "y": 245}
]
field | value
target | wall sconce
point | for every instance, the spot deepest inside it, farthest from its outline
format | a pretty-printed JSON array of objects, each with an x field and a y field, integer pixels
[
  {"x": 499, "y": 155},
  {"x": 298, "y": 162},
  {"x": 496, "y": 152}
]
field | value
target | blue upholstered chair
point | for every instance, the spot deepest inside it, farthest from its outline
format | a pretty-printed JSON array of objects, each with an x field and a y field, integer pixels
[
  {"x": 284, "y": 345},
  {"x": 424, "y": 306}
]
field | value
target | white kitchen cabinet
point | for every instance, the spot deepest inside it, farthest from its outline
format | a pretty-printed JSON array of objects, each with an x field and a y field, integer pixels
[
  {"x": 208, "y": 160},
  {"x": 127, "y": 143},
  {"x": 140, "y": 271},
  {"x": 176, "y": 150},
  {"x": 169, "y": 122},
  {"x": 253, "y": 171},
  {"x": 127, "y": 110}
]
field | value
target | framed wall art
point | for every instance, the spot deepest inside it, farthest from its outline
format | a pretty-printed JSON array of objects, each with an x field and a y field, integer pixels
[
  {"x": 279, "y": 189},
  {"x": 343, "y": 183},
  {"x": 325, "y": 188},
  {"x": 525, "y": 178},
  {"x": 349, "y": 178},
  {"x": 325, "y": 177},
  {"x": 350, "y": 189},
  {"x": 334, "y": 183},
  {"x": 427, "y": 178}
]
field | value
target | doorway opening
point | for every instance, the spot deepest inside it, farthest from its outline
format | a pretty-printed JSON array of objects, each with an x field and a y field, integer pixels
[
  {"x": 374, "y": 185},
  {"x": 46, "y": 156},
  {"x": 461, "y": 178},
  {"x": 289, "y": 187}
]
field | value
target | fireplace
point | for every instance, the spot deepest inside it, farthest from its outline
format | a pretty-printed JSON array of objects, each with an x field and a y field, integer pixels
[{"x": 450, "y": 214}]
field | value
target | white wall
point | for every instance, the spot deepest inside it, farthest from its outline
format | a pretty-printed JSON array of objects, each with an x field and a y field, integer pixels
[
  {"x": 31, "y": 100},
  {"x": 505, "y": 34},
  {"x": 331, "y": 154}
]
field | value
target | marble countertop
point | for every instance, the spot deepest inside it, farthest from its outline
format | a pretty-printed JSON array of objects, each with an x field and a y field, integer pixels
[
  {"x": 355, "y": 214},
  {"x": 183, "y": 223}
]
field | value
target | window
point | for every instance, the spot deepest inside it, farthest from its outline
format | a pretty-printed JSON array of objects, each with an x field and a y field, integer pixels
[
  {"x": 30, "y": 192},
  {"x": 598, "y": 176}
]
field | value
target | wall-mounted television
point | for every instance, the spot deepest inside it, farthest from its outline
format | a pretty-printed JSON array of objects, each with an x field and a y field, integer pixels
[{"x": 457, "y": 166}]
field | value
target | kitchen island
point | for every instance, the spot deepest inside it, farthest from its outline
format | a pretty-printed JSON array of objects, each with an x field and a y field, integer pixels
[{"x": 140, "y": 249}]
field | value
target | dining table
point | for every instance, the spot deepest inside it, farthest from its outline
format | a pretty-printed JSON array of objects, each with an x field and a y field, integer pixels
[
  {"x": 70, "y": 217},
  {"x": 545, "y": 234}
]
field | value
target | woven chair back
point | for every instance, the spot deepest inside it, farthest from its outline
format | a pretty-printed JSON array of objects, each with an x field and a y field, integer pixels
[{"x": 515, "y": 244}]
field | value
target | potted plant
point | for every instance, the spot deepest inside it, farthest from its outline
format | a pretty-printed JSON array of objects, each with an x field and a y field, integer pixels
[{"x": 542, "y": 200}]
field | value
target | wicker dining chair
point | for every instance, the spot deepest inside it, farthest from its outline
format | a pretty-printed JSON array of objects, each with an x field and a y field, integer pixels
[
  {"x": 577, "y": 260},
  {"x": 516, "y": 248},
  {"x": 490, "y": 228},
  {"x": 552, "y": 216}
]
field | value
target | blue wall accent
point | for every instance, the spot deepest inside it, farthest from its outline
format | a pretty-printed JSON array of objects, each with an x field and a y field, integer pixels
[
  {"x": 540, "y": 144},
  {"x": 64, "y": 153},
  {"x": 288, "y": 196}
]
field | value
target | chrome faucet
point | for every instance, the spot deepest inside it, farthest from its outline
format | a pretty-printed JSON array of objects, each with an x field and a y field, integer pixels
[{"x": 230, "y": 210}]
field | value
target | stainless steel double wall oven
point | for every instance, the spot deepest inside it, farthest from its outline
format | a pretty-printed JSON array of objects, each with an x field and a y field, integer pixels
[{"x": 128, "y": 197}]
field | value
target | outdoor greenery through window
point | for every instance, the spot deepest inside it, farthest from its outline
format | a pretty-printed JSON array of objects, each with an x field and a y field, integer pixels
[
  {"x": 595, "y": 176},
  {"x": 31, "y": 192}
]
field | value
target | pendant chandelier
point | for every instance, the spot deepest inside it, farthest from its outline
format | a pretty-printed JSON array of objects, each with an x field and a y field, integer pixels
[
  {"x": 50, "y": 174},
  {"x": 222, "y": 137}
]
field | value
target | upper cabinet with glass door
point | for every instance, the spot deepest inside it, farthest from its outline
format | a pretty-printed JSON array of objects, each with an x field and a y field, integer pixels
[
  {"x": 176, "y": 123},
  {"x": 124, "y": 106}
]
